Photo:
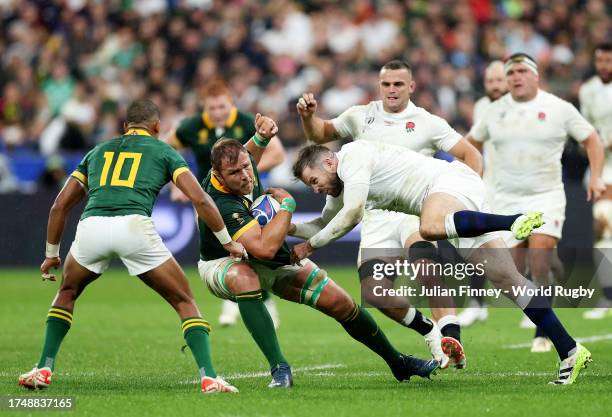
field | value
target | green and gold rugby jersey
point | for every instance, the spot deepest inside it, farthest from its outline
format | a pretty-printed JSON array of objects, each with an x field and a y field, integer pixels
[
  {"x": 125, "y": 174},
  {"x": 199, "y": 134},
  {"x": 235, "y": 212}
]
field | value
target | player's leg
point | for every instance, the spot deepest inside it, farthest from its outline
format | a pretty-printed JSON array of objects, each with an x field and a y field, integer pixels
[
  {"x": 539, "y": 257},
  {"x": 239, "y": 282},
  {"x": 501, "y": 271},
  {"x": 142, "y": 251},
  {"x": 169, "y": 281},
  {"x": 311, "y": 286},
  {"x": 444, "y": 216},
  {"x": 75, "y": 278},
  {"x": 382, "y": 231}
]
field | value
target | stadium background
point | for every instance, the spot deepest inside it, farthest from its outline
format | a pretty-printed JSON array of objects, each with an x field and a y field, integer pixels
[{"x": 69, "y": 68}]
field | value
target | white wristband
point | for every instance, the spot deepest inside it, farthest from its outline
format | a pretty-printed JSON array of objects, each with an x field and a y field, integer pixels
[
  {"x": 52, "y": 251},
  {"x": 223, "y": 237}
]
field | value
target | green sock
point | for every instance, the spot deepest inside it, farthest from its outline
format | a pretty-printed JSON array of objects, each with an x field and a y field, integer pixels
[
  {"x": 59, "y": 320},
  {"x": 195, "y": 332},
  {"x": 259, "y": 323},
  {"x": 362, "y": 327}
]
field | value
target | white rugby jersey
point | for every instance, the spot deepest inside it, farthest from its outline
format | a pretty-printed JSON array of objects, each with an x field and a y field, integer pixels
[
  {"x": 414, "y": 128},
  {"x": 398, "y": 178},
  {"x": 480, "y": 107},
  {"x": 596, "y": 107},
  {"x": 528, "y": 138}
]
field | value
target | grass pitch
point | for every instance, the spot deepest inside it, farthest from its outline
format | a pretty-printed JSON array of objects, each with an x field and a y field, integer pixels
[{"x": 122, "y": 358}]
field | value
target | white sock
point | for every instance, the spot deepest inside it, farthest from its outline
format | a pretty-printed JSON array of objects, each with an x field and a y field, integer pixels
[
  {"x": 450, "y": 319},
  {"x": 409, "y": 316},
  {"x": 449, "y": 225}
]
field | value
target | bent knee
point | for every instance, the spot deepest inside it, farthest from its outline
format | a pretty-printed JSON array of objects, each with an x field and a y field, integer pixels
[
  {"x": 241, "y": 277},
  {"x": 429, "y": 230}
]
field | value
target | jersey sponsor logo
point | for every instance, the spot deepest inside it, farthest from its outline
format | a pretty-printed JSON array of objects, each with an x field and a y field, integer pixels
[
  {"x": 203, "y": 136},
  {"x": 541, "y": 116},
  {"x": 410, "y": 126},
  {"x": 238, "y": 218},
  {"x": 388, "y": 122}
]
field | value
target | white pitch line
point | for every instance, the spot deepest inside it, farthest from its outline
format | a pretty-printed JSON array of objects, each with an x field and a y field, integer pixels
[
  {"x": 304, "y": 369},
  {"x": 588, "y": 339}
]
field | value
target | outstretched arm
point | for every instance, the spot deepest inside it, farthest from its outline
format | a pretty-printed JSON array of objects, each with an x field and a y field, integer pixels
[
  {"x": 349, "y": 216},
  {"x": 308, "y": 229}
]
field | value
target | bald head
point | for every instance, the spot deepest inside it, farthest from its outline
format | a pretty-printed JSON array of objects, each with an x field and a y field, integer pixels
[{"x": 495, "y": 80}]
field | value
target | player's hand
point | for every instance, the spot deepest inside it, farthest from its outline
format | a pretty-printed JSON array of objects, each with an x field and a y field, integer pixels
[
  {"x": 306, "y": 105},
  {"x": 301, "y": 251},
  {"x": 278, "y": 194},
  {"x": 595, "y": 189},
  {"x": 177, "y": 195},
  {"x": 265, "y": 126},
  {"x": 236, "y": 251},
  {"x": 47, "y": 264}
]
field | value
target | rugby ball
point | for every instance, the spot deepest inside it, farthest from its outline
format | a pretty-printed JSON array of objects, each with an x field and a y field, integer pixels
[{"x": 264, "y": 208}]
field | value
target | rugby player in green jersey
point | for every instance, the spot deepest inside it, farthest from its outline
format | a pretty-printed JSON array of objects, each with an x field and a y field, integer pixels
[
  {"x": 122, "y": 178},
  {"x": 233, "y": 184},
  {"x": 221, "y": 119}
]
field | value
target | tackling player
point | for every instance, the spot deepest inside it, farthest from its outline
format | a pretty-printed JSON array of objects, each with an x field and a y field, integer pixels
[
  {"x": 449, "y": 197},
  {"x": 221, "y": 119},
  {"x": 596, "y": 106},
  {"x": 122, "y": 178},
  {"x": 234, "y": 184},
  {"x": 396, "y": 120},
  {"x": 528, "y": 129},
  {"x": 495, "y": 85}
]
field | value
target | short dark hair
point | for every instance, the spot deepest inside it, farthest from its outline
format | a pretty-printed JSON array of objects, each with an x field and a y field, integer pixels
[
  {"x": 225, "y": 149},
  {"x": 308, "y": 157},
  {"x": 397, "y": 64},
  {"x": 604, "y": 47},
  {"x": 142, "y": 111}
]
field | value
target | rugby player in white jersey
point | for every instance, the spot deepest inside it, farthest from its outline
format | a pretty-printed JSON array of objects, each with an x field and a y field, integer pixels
[
  {"x": 495, "y": 86},
  {"x": 596, "y": 106},
  {"x": 449, "y": 198},
  {"x": 528, "y": 129},
  {"x": 396, "y": 120}
]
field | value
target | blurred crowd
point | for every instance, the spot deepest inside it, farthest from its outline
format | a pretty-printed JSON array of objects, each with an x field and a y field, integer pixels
[{"x": 69, "y": 68}]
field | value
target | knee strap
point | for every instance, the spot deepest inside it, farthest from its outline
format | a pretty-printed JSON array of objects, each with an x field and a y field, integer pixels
[{"x": 312, "y": 288}]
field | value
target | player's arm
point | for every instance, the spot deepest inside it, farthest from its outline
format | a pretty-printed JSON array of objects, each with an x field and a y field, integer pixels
[
  {"x": 265, "y": 130},
  {"x": 315, "y": 128},
  {"x": 467, "y": 153},
  {"x": 207, "y": 210},
  {"x": 70, "y": 195},
  {"x": 273, "y": 156},
  {"x": 308, "y": 229},
  {"x": 264, "y": 242},
  {"x": 349, "y": 216},
  {"x": 473, "y": 142},
  {"x": 595, "y": 153}
]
